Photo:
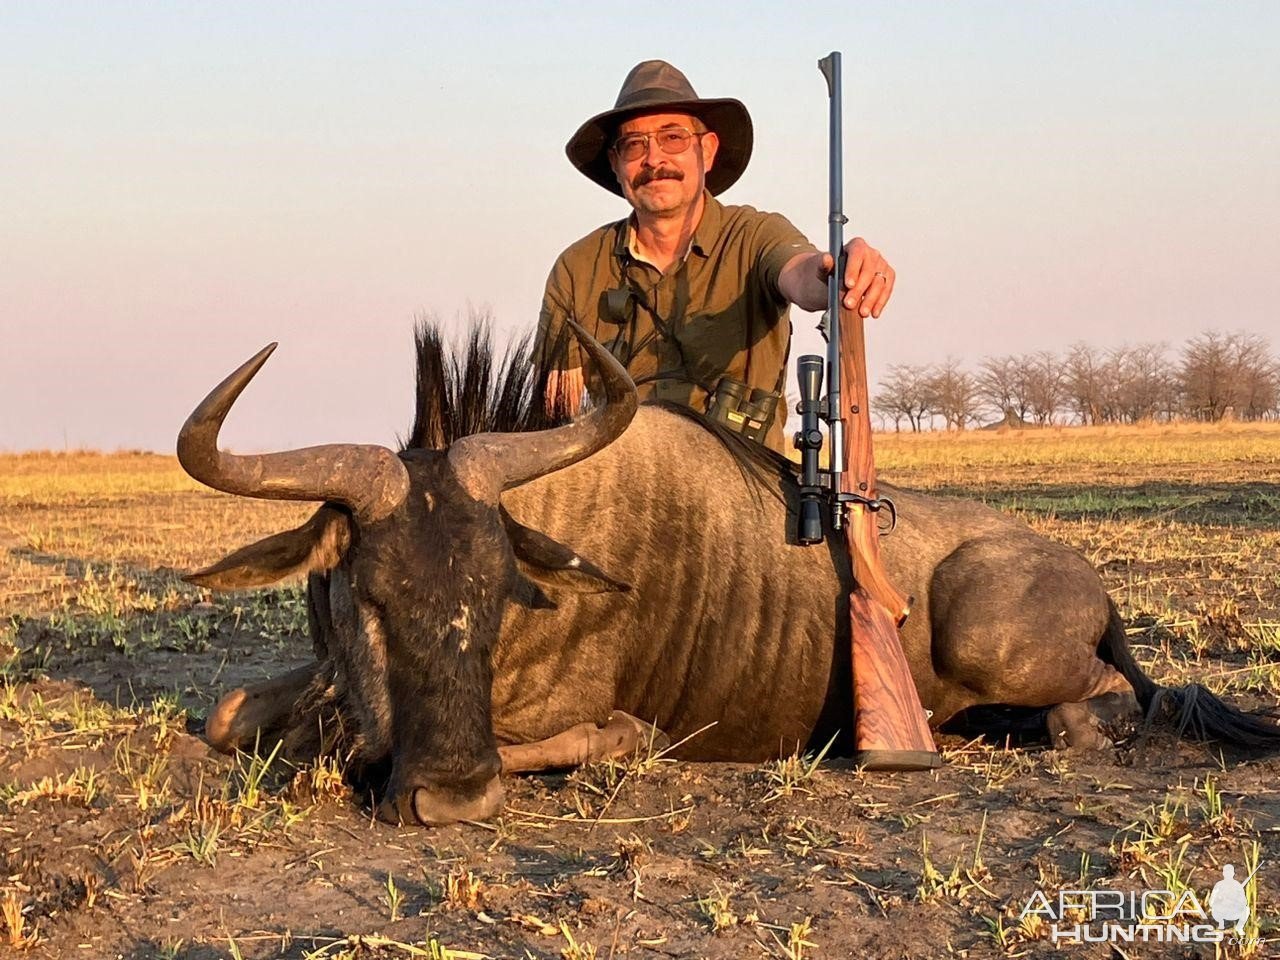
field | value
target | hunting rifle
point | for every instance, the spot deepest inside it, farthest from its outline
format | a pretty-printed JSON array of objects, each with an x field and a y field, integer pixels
[{"x": 891, "y": 728}]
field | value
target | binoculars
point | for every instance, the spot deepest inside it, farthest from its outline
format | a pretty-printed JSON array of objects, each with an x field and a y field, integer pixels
[{"x": 747, "y": 411}]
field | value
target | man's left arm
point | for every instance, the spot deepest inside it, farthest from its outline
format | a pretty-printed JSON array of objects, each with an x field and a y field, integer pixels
[
  {"x": 868, "y": 279},
  {"x": 555, "y": 349}
]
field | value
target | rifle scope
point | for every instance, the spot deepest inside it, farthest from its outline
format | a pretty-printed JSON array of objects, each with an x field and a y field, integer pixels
[{"x": 809, "y": 441}]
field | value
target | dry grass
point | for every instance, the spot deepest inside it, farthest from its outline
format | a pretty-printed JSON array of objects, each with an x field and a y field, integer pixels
[
  {"x": 1183, "y": 522},
  {"x": 134, "y": 517},
  {"x": 1111, "y": 446}
]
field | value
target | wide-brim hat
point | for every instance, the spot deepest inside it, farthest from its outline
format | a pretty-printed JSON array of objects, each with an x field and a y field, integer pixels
[{"x": 657, "y": 86}]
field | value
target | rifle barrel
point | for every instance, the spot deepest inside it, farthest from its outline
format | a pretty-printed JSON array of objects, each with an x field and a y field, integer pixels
[{"x": 830, "y": 67}]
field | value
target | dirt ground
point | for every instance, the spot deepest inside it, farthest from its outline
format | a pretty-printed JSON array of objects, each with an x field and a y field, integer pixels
[{"x": 125, "y": 836}]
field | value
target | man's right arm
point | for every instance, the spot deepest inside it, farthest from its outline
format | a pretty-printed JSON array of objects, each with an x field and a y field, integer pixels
[
  {"x": 868, "y": 279},
  {"x": 555, "y": 348}
]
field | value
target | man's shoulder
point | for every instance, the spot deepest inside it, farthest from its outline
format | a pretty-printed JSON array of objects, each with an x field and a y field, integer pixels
[
  {"x": 761, "y": 230},
  {"x": 590, "y": 246},
  {"x": 745, "y": 215}
]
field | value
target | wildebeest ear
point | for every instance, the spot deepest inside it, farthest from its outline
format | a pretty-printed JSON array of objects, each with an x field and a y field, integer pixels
[
  {"x": 317, "y": 545},
  {"x": 548, "y": 563}
]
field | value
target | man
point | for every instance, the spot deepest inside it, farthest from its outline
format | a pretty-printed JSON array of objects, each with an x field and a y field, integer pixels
[{"x": 688, "y": 293}]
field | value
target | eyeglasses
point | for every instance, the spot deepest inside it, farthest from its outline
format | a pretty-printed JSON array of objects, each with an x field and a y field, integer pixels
[{"x": 671, "y": 140}]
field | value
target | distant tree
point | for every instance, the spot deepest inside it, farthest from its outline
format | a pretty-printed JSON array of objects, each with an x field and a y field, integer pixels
[
  {"x": 903, "y": 394},
  {"x": 1217, "y": 373},
  {"x": 1260, "y": 396},
  {"x": 1144, "y": 384},
  {"x": 1045, "y": 380},
  {"x": 953, "y": 394},
  {"x": 1001, "y": 385},
  {"x": 1258, "y": 378},
  {"x": 1232, "y": 371},
  {"x": 1085, "y": 377},
  {"x": 1207, "y": 377}
]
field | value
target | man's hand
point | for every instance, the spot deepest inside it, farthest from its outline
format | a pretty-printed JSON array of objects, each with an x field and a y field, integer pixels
[
  {"x": 868, "y": 279},
  {"x": 564, "y": 391}
]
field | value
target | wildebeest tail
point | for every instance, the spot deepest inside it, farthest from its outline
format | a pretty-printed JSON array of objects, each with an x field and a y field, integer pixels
[{"x": 1193, "y": 710}]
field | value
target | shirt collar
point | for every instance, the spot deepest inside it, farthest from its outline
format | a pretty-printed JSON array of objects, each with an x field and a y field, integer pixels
[
  {"x": 704, "y": 237},
  {"x": 708, "y": 229}
]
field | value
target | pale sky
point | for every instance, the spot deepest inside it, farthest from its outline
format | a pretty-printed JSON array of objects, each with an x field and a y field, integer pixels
[{"x": 182, "y": 183}]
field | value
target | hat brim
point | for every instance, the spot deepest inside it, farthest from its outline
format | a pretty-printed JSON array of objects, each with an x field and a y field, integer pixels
[{"x": 588, "y": 149}]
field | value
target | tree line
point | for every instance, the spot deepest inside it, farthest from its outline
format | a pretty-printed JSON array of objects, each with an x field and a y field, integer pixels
[{"x": 1214, "y": 376}]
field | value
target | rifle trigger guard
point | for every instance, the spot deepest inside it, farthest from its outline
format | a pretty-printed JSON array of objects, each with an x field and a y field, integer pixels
[
  {"x": 875, "y": 506},
  {"x": 893, "y": 515}
]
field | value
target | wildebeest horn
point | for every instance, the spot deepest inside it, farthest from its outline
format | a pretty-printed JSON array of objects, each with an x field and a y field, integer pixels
[
  {"x": 488, "y": 463},
  {"x": 369, "y": 479}
]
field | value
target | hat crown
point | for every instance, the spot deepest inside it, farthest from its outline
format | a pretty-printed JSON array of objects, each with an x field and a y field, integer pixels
[{"x": 654, "y": 80}]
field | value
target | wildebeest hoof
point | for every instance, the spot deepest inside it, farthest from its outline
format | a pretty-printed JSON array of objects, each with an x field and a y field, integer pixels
[
  {"x": 1074, "y": 727},
  {"x": 650, "y": 738},
  {"x": 242, "y": 714},
  {"x": 621, "y": 735},
  {"x": 221, "y": 729}
]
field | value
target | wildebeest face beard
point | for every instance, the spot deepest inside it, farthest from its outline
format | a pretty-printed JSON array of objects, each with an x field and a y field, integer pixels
[
  {"x": 357, "y": 650},
  {"x": 648, "y": 174}
]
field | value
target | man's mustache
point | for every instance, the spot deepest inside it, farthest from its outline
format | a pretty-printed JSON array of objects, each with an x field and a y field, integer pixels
[{"x": 655, "y": 173}]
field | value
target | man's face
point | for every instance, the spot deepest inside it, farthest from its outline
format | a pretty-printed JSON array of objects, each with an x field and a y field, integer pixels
[{"x": 660, "y": 183}]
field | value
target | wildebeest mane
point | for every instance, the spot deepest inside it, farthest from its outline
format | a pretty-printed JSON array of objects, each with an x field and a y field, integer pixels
[
  {"x": 468, "y": 389},
  {"x": 760, "y": 466}
]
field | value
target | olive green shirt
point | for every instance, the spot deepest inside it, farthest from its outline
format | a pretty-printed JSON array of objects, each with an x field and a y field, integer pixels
[{"x": 717, "y": 312}]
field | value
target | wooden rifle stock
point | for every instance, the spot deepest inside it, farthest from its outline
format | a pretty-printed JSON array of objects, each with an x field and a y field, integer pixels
[{"x": 890, "y": 724}]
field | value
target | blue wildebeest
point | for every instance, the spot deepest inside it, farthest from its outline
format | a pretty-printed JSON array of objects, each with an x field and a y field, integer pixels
[{"x": 498, "y": 598}]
